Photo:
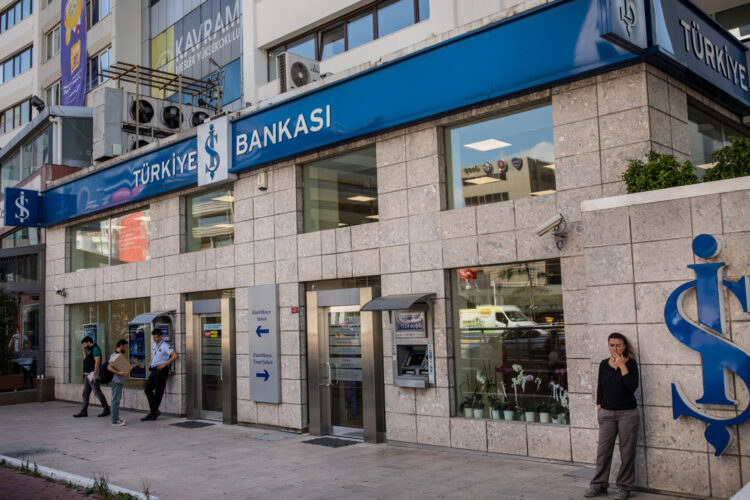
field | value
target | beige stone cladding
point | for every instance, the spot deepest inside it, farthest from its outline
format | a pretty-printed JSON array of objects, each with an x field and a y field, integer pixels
[
  {"x": 636, "y": 253},
  {"x": 610, "y": 277}
]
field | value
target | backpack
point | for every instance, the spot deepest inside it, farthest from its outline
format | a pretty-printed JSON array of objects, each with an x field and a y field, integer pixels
[{"x": 105, "y": 376}]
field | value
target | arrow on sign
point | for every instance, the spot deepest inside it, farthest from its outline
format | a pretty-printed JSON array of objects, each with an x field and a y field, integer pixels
[
  {"x": 260, "y": 330},
  {"x": 264, "y": 375}
]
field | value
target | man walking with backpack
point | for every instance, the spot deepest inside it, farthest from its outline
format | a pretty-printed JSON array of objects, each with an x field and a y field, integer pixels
[
  {"x": 92, "y": 358},
  {"x": 118, "y": 378}
]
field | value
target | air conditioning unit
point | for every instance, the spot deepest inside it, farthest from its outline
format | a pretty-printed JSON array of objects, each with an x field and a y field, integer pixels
[
  {"x": 296, "y": 71},
  {"x": 131, "y": 142},
  {"x": 194, "y": 116},
  {"x": 170, "y": 116},
  {"x": 144, "y": 109},
  {"x": 107, "y": 104}
]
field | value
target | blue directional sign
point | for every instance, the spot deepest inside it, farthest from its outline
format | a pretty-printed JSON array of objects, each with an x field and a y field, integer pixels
[
  {"x": 263, "y": 323},
  {"x": 21, "y": 207}
]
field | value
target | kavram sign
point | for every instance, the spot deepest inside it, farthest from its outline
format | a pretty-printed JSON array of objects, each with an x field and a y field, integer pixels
[{"x": 718, "y": 354}]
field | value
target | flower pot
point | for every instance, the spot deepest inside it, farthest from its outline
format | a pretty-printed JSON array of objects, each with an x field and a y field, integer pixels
[
  {"x": 495, "y": 414},
  {"x": 478, "y": 412},
  {"x": 530, "y": 416},
  {"x": 468, "y": 412},
  {"x": 544, "y": 417},
  {"x": 508, "y": 414},
  {"x": 558, "y": 419}
]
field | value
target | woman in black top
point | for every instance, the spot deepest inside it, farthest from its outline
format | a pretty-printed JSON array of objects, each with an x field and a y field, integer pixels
[{"x": 618, "y": 416}]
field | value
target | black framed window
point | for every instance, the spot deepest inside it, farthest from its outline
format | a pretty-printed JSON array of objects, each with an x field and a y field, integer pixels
[
  {"x": 364, "y": 25},
  {"x": 15, "y": 116}
]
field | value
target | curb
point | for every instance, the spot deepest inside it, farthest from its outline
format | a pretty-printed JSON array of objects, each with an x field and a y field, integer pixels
[{"x": 84, "y": 482}]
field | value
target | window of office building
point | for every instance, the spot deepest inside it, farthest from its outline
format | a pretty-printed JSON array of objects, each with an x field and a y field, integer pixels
[
  {"x": 364, "y": 25},
  {"x": 96, "y": 10},
  {"x": 16, "y": 64},
  {"x": 210, "y": 220},
  {"x": 15, "y": 116},
  {"x": 52, "y": 43},
  {"x": 510, "y": 342},
  {"x": 340, "y": 191},
  {"x": 97, "y": 64},
  {"x": 52, "y": 94},
  {"x": 36, "y": 152},
  {"x": 14, "y": 14},
  {"x": 107, "y": 242},
  {"x": 501, "y": 158},
  {"x": 105, "y": 323},
  {"x": 707, "y": 134}
]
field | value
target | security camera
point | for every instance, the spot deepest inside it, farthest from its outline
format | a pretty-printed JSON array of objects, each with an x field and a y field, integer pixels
[
  {"x": 549, "y": 225},
  {"x": 57, "y": 289},
  {"x": 60, "y": 291},
  {"x": 262, "y": 181}
]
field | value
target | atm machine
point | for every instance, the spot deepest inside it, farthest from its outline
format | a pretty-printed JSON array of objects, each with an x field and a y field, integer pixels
[
  {"x": 412, "y": 337},
  {"x": 139, "y": 337}
]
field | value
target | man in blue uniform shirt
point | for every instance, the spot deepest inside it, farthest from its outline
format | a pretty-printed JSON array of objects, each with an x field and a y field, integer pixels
[{"x": 162, "y": 355}]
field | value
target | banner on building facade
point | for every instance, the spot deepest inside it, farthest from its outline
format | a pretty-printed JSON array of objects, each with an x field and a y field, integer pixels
[{"x": 73, "y": 53}]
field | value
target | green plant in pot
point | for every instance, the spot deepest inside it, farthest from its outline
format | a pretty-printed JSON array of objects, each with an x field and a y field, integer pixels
[
  {"x": 8, "y": 325},
  {"x": 544, "y": 411},
  {"x": 557, "y": 412},
  {"x": 658, "y": 172}
]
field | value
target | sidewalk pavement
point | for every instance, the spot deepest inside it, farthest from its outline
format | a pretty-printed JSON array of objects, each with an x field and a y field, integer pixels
[{"x": 234, "y": 461}]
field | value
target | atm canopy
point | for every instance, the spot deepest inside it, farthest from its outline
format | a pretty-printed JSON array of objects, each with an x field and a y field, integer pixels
[
  {"x": 149, "y": 317},
  {"x": 397, "y": 302}
]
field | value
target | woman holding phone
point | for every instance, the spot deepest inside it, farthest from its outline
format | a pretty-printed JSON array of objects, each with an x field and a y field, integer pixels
[{"x": 617, "y": 412}]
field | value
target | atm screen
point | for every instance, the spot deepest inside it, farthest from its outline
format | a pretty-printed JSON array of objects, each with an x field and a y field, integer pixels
[{"x": 415, "y": 359}]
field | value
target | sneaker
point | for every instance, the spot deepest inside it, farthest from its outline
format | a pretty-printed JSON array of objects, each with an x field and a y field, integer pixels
[
  {"x": 119, "y": 422},
  {"x": 594, "y": 492},
  {"x": 81, "y": 414},
  {"x": 622, "y": 495},
  {"x": 104, "y": 413},
  {"x": 148, "y": 417}
]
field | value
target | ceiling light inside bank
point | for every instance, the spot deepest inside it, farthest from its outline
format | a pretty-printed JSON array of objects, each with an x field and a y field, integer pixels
[{"x": 487, "y": 145}]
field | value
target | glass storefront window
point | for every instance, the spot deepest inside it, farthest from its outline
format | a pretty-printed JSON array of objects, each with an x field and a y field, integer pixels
[
  {"x": 106, "y": 322},
  {"x": 19, "y": 269},
  {"x": 510, "y": 342},
  {"x": 24, "y": 237},
  {"x": 707, "y": 134},
  {"x": 210, "y": 220},
  {"x": 112, "y": 241},
  {"x": 340, "y": 191},
  {"x": 501, "y": 158}
]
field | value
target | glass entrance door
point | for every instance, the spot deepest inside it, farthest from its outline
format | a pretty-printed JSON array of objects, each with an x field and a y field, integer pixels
[
  {"x": 344, "y": 336},
  {"x": 211, "y": 379}
]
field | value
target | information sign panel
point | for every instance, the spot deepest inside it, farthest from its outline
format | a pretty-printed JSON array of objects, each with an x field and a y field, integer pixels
[{"x": 263, "y": 323}]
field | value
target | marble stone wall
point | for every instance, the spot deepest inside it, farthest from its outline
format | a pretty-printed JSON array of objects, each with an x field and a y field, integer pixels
[
  {"x": 636, "y": 253},
  {"x": 599, "y": 124}
]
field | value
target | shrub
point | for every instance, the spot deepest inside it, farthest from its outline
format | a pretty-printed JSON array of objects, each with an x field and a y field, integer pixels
[
  {"x": 658, "y": 172},
  {"x": 731, "y": 161}
]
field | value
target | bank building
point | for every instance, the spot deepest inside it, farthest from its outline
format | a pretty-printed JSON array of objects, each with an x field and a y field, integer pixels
[{"x": 396, "y": 221}]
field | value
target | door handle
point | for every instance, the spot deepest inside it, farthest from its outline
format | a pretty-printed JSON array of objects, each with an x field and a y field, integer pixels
[{"x": 330, "y": 377}]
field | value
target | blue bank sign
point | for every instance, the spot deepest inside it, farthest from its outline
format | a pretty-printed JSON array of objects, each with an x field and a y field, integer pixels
[
  {"x": 21, "y": 207},
  {"x": 718, "y": 354},
  {"x": 590, "y": 36}
]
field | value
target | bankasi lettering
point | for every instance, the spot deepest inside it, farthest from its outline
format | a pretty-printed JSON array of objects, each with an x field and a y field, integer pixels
[
  {"x": 284, "y": 130},
  {"x": 714, "y": 55}
]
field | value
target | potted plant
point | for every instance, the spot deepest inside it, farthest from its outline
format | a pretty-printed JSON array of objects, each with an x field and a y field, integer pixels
[
  {"x": 529, "y": 412},
  {"x": 467, "y": 405},
  {"x": 508, "y": 410},
  {"x": 478, "y": 406},
  {"x": 496, "y": 405},
  {"x": 544, "y": 412},
  {"x": 557, "y": 412},
  {"x": 8, "y": 311}
]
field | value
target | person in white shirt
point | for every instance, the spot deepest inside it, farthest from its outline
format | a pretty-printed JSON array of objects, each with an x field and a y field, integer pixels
[{"x": 162, "y": 355}]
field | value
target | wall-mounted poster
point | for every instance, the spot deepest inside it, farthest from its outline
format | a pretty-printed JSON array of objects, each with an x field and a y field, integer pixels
[{"x": 137, "y": 346}]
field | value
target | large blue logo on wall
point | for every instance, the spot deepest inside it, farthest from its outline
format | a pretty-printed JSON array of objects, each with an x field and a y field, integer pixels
[
  {"x": 717, "y": 353},
  {"x": 214, "y": 158}
]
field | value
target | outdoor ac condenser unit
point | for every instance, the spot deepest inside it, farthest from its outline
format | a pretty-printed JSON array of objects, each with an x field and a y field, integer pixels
[{"x": 296, "y": 71}]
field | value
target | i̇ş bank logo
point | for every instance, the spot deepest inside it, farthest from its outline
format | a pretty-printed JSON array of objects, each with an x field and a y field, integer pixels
[
  {"x": 718, "y": 355},
  {"x": 214, "y": 159},
  {"x": 23, "y": 213}
]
